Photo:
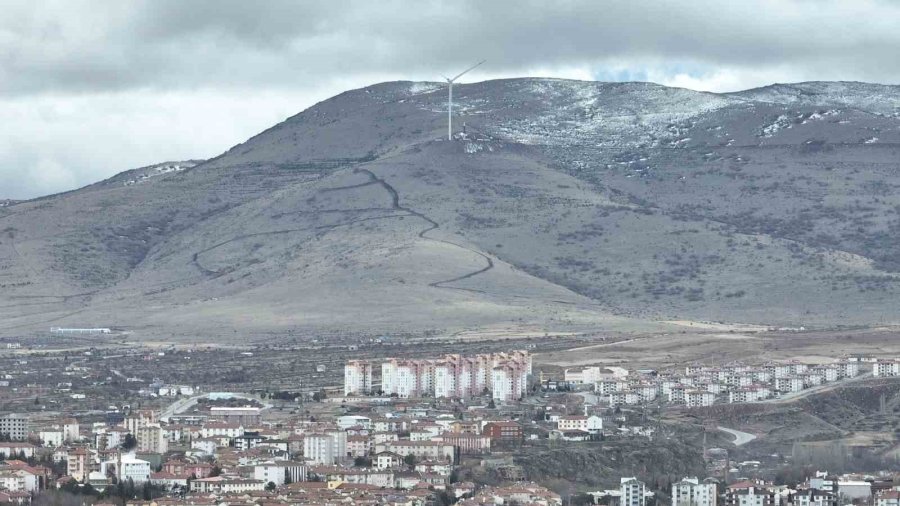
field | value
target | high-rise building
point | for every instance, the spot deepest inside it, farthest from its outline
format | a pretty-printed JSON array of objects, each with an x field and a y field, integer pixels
[
  {"x": 451, "y": 376},
  {"x": 358, "y": 377}
]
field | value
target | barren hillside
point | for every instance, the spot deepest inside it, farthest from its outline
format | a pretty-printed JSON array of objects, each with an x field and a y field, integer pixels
[{"x": 565, "y": 205}]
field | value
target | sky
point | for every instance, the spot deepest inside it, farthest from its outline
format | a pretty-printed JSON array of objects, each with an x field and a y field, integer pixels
[{"x": 91, "y": 88}]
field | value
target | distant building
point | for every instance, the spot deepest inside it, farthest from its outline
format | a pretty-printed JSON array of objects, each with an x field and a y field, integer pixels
[
  {"x": 358, "y": 377},
  {"x": 451, "y": 376},
  {"x": 15, "y": 426},
  {"x": 507, "y": 431},
  {"x": 886, "y": 368},
  {"x": 60, "y": 331}
]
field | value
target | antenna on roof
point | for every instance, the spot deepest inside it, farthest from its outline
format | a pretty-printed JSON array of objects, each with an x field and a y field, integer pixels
[{"x": 450, "y": 81}]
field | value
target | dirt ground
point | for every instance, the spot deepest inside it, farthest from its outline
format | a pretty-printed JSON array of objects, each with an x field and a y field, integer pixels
[{"x": 716, "y": 347}]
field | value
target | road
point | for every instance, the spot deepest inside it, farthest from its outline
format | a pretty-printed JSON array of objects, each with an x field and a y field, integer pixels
[
  {"x": 183, "y": 404},
  {"x": 740, "y": 438}
]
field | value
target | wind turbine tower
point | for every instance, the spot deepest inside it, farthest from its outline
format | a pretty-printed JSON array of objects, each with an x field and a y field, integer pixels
[{"x": 450, "y": 81}]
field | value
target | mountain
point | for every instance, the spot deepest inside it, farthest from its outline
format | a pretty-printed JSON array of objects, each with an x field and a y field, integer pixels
[{"x": 562, "y": 206}]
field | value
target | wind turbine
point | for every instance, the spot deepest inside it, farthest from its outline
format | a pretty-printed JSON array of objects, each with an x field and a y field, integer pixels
[{"x": 450, "y": 81}]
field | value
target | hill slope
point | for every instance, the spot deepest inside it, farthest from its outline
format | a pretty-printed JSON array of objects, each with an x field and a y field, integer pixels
[{"x": 565, "y": 205}]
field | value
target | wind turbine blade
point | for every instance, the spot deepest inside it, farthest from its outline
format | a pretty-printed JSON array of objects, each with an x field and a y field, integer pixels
[{"x": 467, "y": 70}]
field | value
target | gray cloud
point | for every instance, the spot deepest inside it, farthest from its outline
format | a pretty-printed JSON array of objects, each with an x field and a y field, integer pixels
[{"x": 109, "y": 60}]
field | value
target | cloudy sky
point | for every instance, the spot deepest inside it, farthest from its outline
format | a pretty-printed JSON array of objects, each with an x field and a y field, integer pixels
[{"x": 91, "y": 88}]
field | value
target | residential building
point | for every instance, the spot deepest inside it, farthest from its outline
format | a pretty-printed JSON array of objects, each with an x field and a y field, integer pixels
[
  {"x": 693, "y": 492},
  {"x": 15, "y": 426},
  {"x": 633, "y": 492},
  {"x": 504, "y": 432},
  {"x": 358, "y": 377}
]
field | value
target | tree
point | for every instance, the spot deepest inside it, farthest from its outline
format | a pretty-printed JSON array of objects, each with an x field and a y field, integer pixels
[
  {"x": 410, "y": 460},
  {"x": 215, "y": 471},
  {"x": 320, "y": 395},
  {"x": 362, "y": 461},
  {"x": 271, "y": 486},
  {"x": 129, "y": 443}
]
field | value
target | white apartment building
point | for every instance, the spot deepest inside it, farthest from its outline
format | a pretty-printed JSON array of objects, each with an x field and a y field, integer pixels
[
  {"x": 699, "y": 398},
  {"x": 691, "y": 492},
  {"x": 789, "y": 384},
  {"x": 152, "y": 438},
  {"x": 319, "y": 449},
  {"x": 886, "y": 368},
  {"x": 357, "y": 377},
  {"x": 633, "y": 492},
  {"x": 125, "y": 467},
  {"x": 454, "y": 376}
]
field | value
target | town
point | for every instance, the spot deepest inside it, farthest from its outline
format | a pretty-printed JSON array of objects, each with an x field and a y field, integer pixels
[{"x": 453, "y": 428}]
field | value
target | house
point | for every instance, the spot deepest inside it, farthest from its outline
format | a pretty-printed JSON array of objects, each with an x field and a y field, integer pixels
[{"x": 387, "y": 460}]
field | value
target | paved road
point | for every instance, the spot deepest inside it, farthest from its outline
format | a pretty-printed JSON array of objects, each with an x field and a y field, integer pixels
[{"x": 740, "y": 438}]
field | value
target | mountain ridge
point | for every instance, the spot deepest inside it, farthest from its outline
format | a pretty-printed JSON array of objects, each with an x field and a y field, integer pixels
[{"x": 565, "y": 205}]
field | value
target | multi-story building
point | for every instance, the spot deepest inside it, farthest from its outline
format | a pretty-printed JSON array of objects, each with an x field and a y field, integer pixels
[
  {"x": 78, "y": 464},
  {"x": 357, "y": 377},
  {"x": 15, "y": 426},
  {"x": 127, "y": 467},
  {"x": 633, "y": 492},
  {"x": 847, "y": 369},
  {"x": 318, "y": 449},
  {"x": 748, "y": 493},
  {"x": 699, "y": 398},
  {"x": 507, "y": 431},
  {"x": 505, "y": 375},
  {"x": 693, "y": 492},
  {"x": 140, "y": 418},
  {"x": 152, "y": 438},
  {"x": 885, "y": 368}
]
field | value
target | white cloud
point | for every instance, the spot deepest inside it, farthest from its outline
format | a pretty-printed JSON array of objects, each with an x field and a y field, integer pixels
[{"x": 88, "y": 89}]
